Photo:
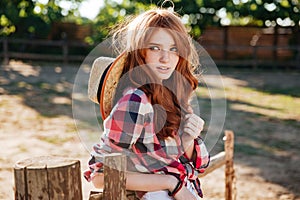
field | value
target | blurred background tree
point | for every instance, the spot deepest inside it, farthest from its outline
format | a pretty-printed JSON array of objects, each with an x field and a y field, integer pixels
[
  {"x": 199, "y": 14},
  {"x": 33, "y": 18}
]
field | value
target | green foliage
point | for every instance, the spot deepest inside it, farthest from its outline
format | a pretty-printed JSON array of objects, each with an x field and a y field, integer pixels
[
  {"x": 6, "y": 26},
  {"x": 270, "y": 12},
  {"x": 113, "y": 13},
  {"x": 199, "y": 14},
  {"x": 30, "y": 18}
]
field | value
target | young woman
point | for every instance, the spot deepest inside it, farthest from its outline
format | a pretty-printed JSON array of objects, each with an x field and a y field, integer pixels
[{"x": 144, "y": 98}]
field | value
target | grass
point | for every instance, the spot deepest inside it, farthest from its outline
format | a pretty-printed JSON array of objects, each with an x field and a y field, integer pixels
[
  {"x": 273, "y": 105},
  {"x": 259, "y": 116},
  {"x": 22, "y": 149},
  {"x": 55, "y": 139}
]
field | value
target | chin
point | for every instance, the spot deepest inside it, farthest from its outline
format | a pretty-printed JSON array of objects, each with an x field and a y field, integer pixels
[{"x": 165, "y": 77}]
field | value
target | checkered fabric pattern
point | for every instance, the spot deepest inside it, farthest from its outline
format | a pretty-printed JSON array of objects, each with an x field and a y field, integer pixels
[{"x": 129, "y": 129}]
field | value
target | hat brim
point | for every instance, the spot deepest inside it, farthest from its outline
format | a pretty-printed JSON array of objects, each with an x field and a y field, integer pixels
[
  {"x": 104, "y": 79},
  {"x": 100, "y": 65},
  {"x": 110, "y": 84}
]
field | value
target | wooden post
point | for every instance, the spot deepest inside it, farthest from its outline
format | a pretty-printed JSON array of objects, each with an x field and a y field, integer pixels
[
  {"x": 65, "y": 48},
  {"x": 5, "y": 51},
  {"x": 225, "y": 42},
  {"x": 65, "y": 51},
  {"x": 114, "y": 177},
  {"x": 254, "y": 57},
  {"x": 48, "y": 178},
  {"x": 230, "y": 191}
]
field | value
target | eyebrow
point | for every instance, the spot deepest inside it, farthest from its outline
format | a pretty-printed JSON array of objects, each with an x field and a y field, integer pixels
[{"x": 153, "y": 43}]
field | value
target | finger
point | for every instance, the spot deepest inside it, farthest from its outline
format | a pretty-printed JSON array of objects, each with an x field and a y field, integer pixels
[
  {"x": 187, "y": 116},
  {"x": 193, "y": 117},
  {"x": 193, "y": 122},
  {"x": 196, "y": 122},
  {"x": 193, "y": 129},
  {"x": 191, "y": 132}
]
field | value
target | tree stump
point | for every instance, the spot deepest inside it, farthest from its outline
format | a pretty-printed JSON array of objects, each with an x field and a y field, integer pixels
[{"x": 47, "y": 178}]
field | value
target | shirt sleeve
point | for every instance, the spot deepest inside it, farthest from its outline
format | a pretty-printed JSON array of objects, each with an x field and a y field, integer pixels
[
  {"x": 127, "y": 120},
  {"x": 201, "y": 158},
  {"x": 122, "y": 128}
]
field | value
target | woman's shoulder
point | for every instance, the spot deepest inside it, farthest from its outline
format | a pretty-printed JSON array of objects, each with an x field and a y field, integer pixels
[
  {"x": 134, "y": 100},
  {"x": 135, "y": 95}
]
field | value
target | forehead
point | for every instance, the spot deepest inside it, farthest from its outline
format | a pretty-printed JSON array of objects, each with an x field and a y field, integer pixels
[{"x": 161, "y": 36}]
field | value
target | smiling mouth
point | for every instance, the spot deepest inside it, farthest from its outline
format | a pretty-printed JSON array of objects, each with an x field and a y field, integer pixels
[{"x": 163, "y": 68}]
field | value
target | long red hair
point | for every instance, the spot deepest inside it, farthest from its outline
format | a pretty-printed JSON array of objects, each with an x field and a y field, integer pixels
[{"x": 173, "y": 95}]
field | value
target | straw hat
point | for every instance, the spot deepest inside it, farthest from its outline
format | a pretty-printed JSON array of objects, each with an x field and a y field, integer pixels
[{"x": 103, "y": 81}]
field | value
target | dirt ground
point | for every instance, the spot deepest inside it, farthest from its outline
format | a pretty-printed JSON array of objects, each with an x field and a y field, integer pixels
[{"x": 36, "y": 119}]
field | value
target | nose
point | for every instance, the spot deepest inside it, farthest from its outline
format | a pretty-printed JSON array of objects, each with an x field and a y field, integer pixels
[{"x": 164, "y": 56}]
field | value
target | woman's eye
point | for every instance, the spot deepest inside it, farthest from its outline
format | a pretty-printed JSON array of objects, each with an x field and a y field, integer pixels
[
  {"x": 174, "y": 49},
  {"x": 154, "y": 48}
]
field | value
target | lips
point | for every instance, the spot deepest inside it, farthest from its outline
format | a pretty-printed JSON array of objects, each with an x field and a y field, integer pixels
[{"x": 163, "y": 69}]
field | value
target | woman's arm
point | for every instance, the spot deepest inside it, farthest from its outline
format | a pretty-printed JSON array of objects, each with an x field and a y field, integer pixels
[
  {"x": 155, "y": 182},
  {"x": 148, "y": 183},
  {"x": 141, "y": 182}
]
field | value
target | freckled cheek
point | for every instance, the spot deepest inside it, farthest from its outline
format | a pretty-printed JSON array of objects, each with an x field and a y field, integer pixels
[
  {"x": 149, "y": 58},
  {"x": 175, "y": 60}
]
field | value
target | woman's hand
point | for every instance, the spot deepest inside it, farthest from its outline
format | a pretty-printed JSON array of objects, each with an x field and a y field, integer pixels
[
  {"x": 193, "y": 125},
  {"x": 98, "y": 180},
  {"x": 192, "y": 128},
  {"x": 184, "y": 194}
]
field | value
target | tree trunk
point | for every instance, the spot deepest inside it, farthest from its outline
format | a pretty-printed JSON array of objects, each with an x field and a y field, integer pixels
[{"x": 47, "y": 178}]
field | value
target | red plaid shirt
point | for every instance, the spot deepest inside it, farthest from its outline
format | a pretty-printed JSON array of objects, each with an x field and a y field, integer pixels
[{"x": 129, "y": 129}]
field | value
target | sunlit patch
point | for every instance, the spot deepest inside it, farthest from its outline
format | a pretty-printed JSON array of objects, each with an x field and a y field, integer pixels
[
  {"x": 265, "y": 147},
  {"x": 23, "y": 68},
  {"x": 257, "y": 101},
  {"x": 59, "y": 87},
  {"x": 61, "y": 100},
  {"x": 25, "y": 85},
  {"x": 58, "y": 69},
  {"x": 2, "y": 90}
]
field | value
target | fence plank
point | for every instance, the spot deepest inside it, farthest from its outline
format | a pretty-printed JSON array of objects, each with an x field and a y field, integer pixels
[
  {"x": 215, "y": 162},
  {"x": 5, "y": 51}
]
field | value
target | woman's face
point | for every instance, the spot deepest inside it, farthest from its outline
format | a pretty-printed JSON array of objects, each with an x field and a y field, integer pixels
[{"x": 161, "y": 54}]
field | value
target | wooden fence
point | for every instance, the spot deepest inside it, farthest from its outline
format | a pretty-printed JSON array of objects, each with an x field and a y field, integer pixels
[
  {"x": 223, "y": 55},
  {"x": 255, "y": 56},
  {"x": 225, "y": 157},
  {"x": 43, "y": 50},
  {"x": 252, "y": 46},
  {"x": 58, "y": 178}
]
